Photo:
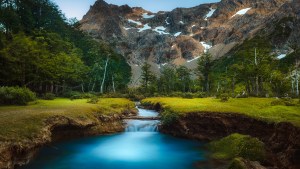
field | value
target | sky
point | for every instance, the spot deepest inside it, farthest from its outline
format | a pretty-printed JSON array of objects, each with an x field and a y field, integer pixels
[{"x": 78, "y": 8}]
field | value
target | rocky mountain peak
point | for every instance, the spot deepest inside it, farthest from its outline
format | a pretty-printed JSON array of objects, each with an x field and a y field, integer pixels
[{"x": 180, "y": 36}]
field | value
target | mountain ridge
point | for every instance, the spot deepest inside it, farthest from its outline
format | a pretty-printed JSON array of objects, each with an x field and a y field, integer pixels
[{"x": 180, "y": 36}]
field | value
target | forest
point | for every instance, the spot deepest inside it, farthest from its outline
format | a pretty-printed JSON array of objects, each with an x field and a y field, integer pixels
[
  {"x": 42, "y": 50},
  {"x": 251, "y": 71}
]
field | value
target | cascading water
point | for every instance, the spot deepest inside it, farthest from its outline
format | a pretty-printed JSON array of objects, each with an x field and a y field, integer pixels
[
  {"x": 141, "y": 146},
  {"x": 143, "y": 125}
]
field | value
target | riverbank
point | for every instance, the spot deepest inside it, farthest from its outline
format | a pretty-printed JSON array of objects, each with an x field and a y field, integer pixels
[
  {"x": 211, "y": 119},
  {"x": 24, "y": 129}
]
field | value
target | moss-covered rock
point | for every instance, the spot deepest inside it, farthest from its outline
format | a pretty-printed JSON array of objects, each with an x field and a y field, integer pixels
[
  {"x": 237, "y": 163},
  {"x": 237, "y": 145}
]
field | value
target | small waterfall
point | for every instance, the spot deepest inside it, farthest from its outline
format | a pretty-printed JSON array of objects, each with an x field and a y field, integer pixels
[{"x": 143, "y": 125}]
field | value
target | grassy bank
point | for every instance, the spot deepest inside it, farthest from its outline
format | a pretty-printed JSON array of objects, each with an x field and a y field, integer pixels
[
  {"x": 23, "y": 122},
  {"x": 259, "y": 108}
]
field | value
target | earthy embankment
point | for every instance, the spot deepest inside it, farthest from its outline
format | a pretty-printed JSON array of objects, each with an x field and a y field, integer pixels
[
  {"x": 281, "y": 139},
  {"x": 59, "y": 127},
  {"x": 25, "y": 129}
]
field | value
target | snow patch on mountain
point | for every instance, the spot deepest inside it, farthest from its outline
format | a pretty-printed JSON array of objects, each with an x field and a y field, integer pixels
[
  {"x": 177, "y": 34},
  {"x": 146, "y": 27},
  {"x": 281, "y": 56},
  {"x": 135, "y": 22},
  {"x": 241, "y": 12},
  {"x": 196, "y": 58},
  {"x": 126, "y": 28},
  {"x": 147, "y": 16},
  {"x": 161, "y": 30},
  {"x": 167, "y": 21},
  {"x": 210, "y": 13},
  {"x": 206, "y": 46}
]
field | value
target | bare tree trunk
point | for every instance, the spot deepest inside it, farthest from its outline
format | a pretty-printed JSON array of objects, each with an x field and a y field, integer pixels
[
  {"x": 51, "y": 87},
  {"x": 56, "y": 89},
  {"x": 113, "y": 83},
  {"x": 82, "y": 88},
  {"x": 104, "y": 75},
  {"x": 297, "y": 83},
  {"x": 256, "y": 77}
]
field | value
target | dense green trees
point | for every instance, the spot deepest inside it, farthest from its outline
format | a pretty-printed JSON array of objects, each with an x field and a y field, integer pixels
[
  {"x": 204, "y": 70},
  {"x": 42, "y": 50},
  {"x": 251, "y": 71}
]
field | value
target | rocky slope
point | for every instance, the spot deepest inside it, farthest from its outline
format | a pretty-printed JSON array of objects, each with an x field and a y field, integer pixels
[{"x": 182, "y": 35}]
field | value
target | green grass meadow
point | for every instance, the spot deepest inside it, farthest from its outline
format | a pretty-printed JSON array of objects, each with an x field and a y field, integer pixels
[
  {"x": 259, "y": 108},
  {"x": 24, "y": 122}
]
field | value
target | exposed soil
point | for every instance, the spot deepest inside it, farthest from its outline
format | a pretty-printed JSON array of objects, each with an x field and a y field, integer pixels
[
  {"x": 56, "y": 128},
  {"x": 282, "y": 140}
]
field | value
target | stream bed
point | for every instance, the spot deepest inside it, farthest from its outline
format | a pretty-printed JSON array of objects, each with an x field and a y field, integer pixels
[{"x": 141, "y": 146}]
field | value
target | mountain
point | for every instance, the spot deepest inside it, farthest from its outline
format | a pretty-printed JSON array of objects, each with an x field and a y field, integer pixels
[{"x": 180, "y": 36}]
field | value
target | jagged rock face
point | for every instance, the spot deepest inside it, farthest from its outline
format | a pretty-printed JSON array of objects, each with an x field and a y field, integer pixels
[{"x": 183, "y": 34}]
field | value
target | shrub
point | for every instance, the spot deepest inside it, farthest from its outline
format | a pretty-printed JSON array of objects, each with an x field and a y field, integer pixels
[
  {"x": 135, "y": 97},
  {"x": 237, "y": 145},
  {"x": 49, "y": 96},
  {"x": 188, "y": 95},
  {"x": 16, "y": 96},
  {"x": 113, "y": 95},
  {"x": 93, "y": 100},
  {"x": 72, "y": 95},
  {"x": 200, "y": 95},
  {"x": 287, "y": 101},
  {"x": 87, "y": 95},
  {"x": 169, "y": 117},
  {"x": 224, "y": 97},
  {"x": 176, "y": 94}
]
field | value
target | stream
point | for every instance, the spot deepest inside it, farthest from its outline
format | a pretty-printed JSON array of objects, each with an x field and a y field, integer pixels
[{"x": 141, "y": 146}]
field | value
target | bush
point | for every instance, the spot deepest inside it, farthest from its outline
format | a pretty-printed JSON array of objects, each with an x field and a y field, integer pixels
[
  {"x": 188, "y": 95},
  {"x": 200, "y": 95},
  {"x": 169, "y": 117},
  {"x": 49, "y": 96},
  {"x": 87, "y": 95},
  {"x": 176, "y": 94},
  {"x": 135, "y": 97},
  {"x": 283, "y": 102},
  {"x": 113, "y": 95},
  {"x": 16, "y": 96},
  {"x": 93, "y": 100},
  {"x": 72, "y": 94},
  {"x": 224, "y": 97}
]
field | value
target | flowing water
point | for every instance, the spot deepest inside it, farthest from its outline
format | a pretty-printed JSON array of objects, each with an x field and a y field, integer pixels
[{"x": 141, "y": 146}]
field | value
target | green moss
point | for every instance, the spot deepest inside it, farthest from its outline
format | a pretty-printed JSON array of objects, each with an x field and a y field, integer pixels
[
  {"x": 237, "y": 145},
  {"x": 237, "y": 163},
  {"x": 168, "y": 117}
]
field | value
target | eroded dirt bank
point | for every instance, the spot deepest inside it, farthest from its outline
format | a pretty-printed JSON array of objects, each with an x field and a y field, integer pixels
[
  {"x": 282, "y": 140},
  {"x": 56, "y": 128}
]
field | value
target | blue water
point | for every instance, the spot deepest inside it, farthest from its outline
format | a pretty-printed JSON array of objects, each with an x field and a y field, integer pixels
[{"x": 141, "y": 147}]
